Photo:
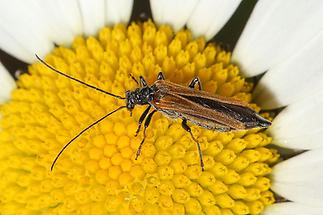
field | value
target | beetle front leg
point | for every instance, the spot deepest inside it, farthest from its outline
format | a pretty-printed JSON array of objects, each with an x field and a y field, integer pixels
[
  {"x": 134, "y": 79},
  {"x": 188, "y": 129},
  {"x": 195, "y": 81},
  {"x": 142, "y": 118},
  {"x": 147, "y": 122}
]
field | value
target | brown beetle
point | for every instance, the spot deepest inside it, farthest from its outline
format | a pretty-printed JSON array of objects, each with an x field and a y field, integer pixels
[{"x": 175, "y": 101}]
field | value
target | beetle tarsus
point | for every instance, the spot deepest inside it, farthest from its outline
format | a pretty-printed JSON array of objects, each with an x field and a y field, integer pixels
[
  {"x": 134, "y": 79},
  {"x": 139, "y": 148}
]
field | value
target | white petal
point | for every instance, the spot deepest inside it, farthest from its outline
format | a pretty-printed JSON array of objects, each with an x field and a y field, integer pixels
[
  {"x": 9, "y": 44},
  {"x": 289, "y": 208},
  {"x": 117, "y": 11},
  {"x": 20, "y": 20},
  {"x": 174, "y": 13},
  {"x": 299, "y": 179},
  {"x": 93, "y": 15},
  {"x": 299, "y": 126},
  {"x": 275, "y": 31},
  {"x": 294, "y": 79},
  {"x": 209, "y": 16},
  {"x": 7, "y": 84},
  {"x": 63, "y": 19}
]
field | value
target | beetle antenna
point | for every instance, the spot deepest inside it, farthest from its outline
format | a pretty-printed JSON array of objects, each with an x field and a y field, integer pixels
[
  {"x": 74, "y": 79},
  {"x": 87, "y": 128}
]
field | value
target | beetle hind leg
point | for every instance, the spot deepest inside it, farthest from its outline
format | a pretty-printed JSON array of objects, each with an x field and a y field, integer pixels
[{"x": 188, "y": 129}]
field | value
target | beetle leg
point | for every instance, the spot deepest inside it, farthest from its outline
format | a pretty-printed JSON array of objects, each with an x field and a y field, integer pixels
[
  {"x": 147, "y": 122},
  {"x": 142, "y": 118},
  {"x": 188, "y": 129},
  {"x": 143, "y": 82},
  {"x": 133, "y": 78},
  {"x": 160, "y": 76},
  {"x": 195, "y": 81}
]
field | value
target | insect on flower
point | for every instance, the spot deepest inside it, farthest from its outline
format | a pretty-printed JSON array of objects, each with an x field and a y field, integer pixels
[{"x": 175, "y": 101}]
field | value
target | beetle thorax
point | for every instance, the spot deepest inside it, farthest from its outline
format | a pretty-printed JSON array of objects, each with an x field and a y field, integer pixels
[{"x": 139, "y": 96}]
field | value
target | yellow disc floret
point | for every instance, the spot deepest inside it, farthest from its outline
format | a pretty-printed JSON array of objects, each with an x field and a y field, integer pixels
[{"x": 98, "y": 173}]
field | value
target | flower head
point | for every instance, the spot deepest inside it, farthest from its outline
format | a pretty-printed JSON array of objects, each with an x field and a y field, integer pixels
[
  {"x": 98, "y": 173},
  {"x": 100, "y": 166}
]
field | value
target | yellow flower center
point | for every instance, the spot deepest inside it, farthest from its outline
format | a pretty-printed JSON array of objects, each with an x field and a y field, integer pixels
[{"x": 98, "y": 173}]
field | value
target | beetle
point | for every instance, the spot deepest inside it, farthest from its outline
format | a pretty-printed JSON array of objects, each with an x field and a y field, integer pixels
[{"x": 178, "y": 102}]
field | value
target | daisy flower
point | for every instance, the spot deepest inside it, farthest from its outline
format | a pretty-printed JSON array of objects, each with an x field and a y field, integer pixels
[{"x": 275, "y": 66}]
